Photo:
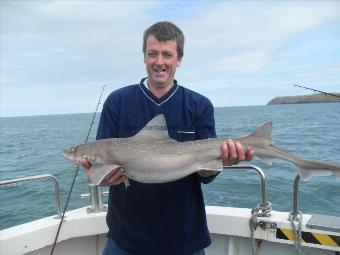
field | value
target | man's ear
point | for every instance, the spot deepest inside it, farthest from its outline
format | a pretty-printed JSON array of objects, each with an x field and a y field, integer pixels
[{"x": 179, "y": 61}]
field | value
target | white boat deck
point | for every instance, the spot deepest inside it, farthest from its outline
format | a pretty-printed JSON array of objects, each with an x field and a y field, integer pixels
[{"x": 85, "y": 233}]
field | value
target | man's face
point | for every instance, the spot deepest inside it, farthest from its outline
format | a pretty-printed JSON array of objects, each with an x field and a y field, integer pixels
[{"x": 161, "y": 60}]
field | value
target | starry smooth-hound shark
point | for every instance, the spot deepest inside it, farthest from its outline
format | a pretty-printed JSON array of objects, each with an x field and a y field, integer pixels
[{"x": 151, "y": 156}]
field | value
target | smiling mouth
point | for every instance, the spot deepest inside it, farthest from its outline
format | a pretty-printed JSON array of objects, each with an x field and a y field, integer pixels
[{"x": 159, "y": 70}]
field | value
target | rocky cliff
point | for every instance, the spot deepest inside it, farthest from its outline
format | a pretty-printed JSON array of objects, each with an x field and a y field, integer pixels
[{"x": 315, "y": 98}]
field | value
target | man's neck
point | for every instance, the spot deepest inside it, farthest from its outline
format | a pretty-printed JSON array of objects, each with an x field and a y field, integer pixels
[{"x": 159, "y": 91}]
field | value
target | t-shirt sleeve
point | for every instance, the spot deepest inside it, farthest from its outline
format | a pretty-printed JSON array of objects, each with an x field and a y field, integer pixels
[{"x": 205, "y": 123}]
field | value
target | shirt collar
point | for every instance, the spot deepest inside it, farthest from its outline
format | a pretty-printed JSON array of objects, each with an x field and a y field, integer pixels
[{"x": 150, "y": 96}]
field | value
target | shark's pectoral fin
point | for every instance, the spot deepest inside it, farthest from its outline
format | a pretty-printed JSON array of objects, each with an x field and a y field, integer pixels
[
  {"x": 305, "y": 174},
  {"x": 213, "y": 165},
  {"x": 337, "y": 174},
  {"x": 267, "y": 160},
  {"x": 99, "y": 171}
]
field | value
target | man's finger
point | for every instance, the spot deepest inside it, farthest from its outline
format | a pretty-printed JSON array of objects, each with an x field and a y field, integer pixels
[
  {"x": 208, "y": 173},
  {"x": 119, "y": 180},
  {"x": 113, "y": 175},
  {"x": 224, "y": 151},
  {"x": 240, "y": 151},
  {"x": 249, "y": 153},
  {"x": 83, "y": 162},
  {"x": 232, "y": 150}
]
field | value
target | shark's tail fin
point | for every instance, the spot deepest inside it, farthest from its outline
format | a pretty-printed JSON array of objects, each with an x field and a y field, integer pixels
[{"x": 305, "y": 167}]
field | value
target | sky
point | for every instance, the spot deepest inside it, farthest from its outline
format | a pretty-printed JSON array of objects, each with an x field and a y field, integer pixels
[{"x": 55, "y": 56}]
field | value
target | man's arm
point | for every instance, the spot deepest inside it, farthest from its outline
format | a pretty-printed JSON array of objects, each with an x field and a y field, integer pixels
[{"x": 231, "y": 152}]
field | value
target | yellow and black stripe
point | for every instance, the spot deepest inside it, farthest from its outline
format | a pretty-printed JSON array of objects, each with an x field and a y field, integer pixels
[{"x": 309, "y": 237}]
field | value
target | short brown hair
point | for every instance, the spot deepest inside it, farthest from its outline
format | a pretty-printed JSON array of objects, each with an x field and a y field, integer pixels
[{"x": 165, "y": 31}]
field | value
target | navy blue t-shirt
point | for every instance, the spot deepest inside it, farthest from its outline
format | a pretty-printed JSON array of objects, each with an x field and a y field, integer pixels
[{"x": 167, "y": 218}]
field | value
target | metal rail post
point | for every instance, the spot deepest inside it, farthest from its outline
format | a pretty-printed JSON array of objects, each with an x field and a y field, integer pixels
[
  {"x": 96, "y": 197},
  {"x": 38, "y": 177},
  {"x": 295, "y": 211},
  {"x": 264, "y": 202}
]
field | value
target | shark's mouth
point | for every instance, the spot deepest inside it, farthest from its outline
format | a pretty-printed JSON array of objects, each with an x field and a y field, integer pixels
[{"x": 70, "y": 153}]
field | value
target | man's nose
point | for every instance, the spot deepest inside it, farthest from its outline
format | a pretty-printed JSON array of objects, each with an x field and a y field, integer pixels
[{"x": 159, "y": 59}]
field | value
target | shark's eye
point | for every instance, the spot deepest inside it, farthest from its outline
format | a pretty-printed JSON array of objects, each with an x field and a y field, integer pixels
[{"x": 73, "y": 149}]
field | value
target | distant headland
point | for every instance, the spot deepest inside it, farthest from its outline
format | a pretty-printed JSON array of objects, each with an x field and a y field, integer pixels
[{"x": 305, "y": 99}]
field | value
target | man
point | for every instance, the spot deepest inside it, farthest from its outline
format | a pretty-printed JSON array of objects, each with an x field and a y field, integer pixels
[{"x": 167, "y": 218}]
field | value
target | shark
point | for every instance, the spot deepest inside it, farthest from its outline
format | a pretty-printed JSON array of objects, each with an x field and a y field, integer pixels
[{"x": 151, "y": 156}]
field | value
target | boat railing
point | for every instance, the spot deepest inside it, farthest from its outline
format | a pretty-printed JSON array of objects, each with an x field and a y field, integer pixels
[
  {"x": 264, "y": 203},
  {"x": 49, "y": 177},
  {"x": 262, "y": 210},
  {"x": 96, "y": 197}
]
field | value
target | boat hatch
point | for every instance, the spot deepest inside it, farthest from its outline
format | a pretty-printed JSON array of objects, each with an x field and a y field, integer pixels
[{"x": 324, "y": 222}]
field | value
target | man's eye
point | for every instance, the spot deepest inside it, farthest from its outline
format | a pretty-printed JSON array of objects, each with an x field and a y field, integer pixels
[
  {"x": 167, "y": 55},
  {"x": 152, "y": 54}
]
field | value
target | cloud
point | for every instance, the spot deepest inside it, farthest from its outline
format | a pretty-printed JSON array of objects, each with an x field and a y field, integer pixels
[
  {"x": 243, "y": 37},
  {"x": 103, "y": 34},
  {"x": 73, "y": 45}
]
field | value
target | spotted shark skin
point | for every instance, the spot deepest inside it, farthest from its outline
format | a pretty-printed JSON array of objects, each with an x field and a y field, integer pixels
[{"x": 151, "y": 156}]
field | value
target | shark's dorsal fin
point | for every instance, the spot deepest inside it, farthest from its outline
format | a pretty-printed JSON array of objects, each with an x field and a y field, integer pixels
[
  {"x": 155, "y": 129},
  {"x": 265, "y": 131}
]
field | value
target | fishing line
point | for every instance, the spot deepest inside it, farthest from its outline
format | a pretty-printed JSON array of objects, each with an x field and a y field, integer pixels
[{"x": 75, "y": 176}]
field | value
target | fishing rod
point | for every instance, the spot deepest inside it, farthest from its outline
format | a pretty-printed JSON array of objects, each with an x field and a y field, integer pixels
[
  {"x": 75, "y": 176},
  {"x": 315, "y": 90}
]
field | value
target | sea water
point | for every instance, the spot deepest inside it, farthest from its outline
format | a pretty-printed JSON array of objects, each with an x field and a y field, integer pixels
[{"x": 32, "y": 146}]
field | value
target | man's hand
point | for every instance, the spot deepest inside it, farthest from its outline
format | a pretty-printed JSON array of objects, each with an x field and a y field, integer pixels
[
  {"x": 86, "y": 165},
  {"x": 115, "y": 177},
  {"x": 233, "y": 152},
  {"x": 207, "y": 173}
]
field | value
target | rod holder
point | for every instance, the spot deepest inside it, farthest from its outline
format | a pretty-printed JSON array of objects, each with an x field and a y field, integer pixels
[
  {"x": 96, "y": 197},
  {"x": 294, "y": 214}
]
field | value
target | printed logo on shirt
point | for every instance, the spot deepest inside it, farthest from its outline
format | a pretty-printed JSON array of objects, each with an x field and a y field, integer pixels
[{"x": 155, "y": 127}]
